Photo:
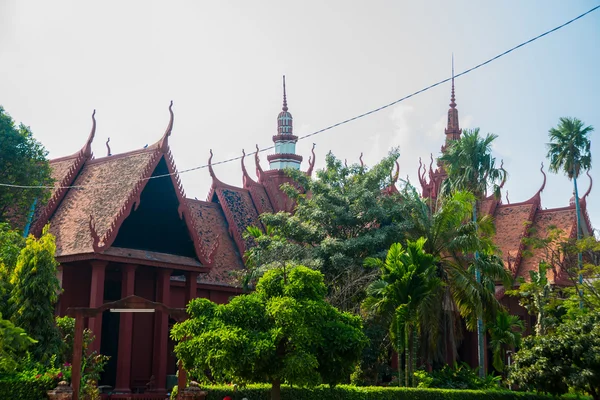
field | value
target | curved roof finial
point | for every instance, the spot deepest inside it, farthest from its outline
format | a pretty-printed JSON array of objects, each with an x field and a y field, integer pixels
[
  {"x": 420, "y": 175},
  {"x": 589, "y": 188},
  {"x": 431, "y": 166},
  {"x": 285, "y": 107},
  {"x": 544, "y": 183},
  {"x": 504, "y": 176},
  {"x": 259, "y": 171},
  {"x": 87, "y": 149},
  {"x": 362, "y": 165},
  {"x": 246, "y": 177},
  {"x": 211, "y": 171},
  {"x": 164, "y": 142},
  {"x": 108, "y": 153},
  {"x": 311, "y": 161},
  {"x": 507, "y": 200},
  {"x": 397, "y": 174}
]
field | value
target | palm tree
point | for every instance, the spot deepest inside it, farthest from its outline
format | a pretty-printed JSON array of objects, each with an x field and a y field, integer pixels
[
  {"x": 404, "y": 294},
  {"x": 450, "y": 240},
  {"x": 505, "y": 334},
  {"x": 569, "y": 151},
  {"x": 471, "y": 167}
]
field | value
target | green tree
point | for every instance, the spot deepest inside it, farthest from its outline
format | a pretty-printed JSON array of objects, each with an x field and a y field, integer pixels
[
  {"x": 22, "y": 162},
  {"x": 505, "y": 334},
  {"x": 13, "y": 344},
  {"x": 536, "y": 296},
  {"x": 405, "y": 294},
  {"x": 11, "y": 243},
  {"x": 567, "y": 358},
  {"x": 35, "y": 292},
  {"x": 347, "y": 217},
  {"x": 451, "y": 238},
  {"x": 569, "y": 152},
  {"x": 470, "y": 166},
  {"x": 284, "y": 331}
]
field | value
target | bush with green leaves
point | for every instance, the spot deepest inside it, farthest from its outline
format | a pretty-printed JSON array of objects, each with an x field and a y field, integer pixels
[
  {"x": 459, "y": 376},
  {"x": 568, "y": 358},
  {"x": 14, "y": 341},
  {"x": 347, "y": 392},
  {"x": 34, "y": 294},
  {"x": 285, "y": 331}
]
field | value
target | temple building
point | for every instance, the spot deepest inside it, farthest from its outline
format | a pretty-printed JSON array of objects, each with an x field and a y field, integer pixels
[
  {"x": 513, "y": 222},
  {"x": 124, "y": 226}
]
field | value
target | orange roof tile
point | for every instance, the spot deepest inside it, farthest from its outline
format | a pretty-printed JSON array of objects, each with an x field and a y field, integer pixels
[
  {"x": 560, "y": 218},
  {"x": 511, "y": 227}
]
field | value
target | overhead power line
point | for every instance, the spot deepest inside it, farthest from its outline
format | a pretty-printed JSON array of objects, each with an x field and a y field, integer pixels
[{"x": 341, "y": 122}]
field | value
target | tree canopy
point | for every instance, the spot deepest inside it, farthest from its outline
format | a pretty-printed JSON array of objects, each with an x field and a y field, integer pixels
[
  {"x": 566, "y": 358},
  {"x": 22, "y": 162},
  {"x": 284, "y": 331},
  {"x": 569, "y": 147},
  {"x": 345, "y": 219}
]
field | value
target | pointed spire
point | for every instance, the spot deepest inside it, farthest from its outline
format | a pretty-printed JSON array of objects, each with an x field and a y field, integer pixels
[
  {"x": 285, "y": 107},
  {"x": 452, "y": 130},
  {"x": 452, "y": 97}
]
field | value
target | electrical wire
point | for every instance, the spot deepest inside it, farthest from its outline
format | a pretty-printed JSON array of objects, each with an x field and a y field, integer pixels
[{"x": 346, "y": 121}]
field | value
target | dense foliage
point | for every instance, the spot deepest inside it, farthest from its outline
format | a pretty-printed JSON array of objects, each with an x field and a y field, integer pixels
[
  {"x": 406, "y": 294},
  {"x": 35, "y": 289},
  {"x": 13, "y": 344},
  {"x": 285, "y": 331},
  {"x": 26, "y": 386},
  {"x": 457, "y": 376},
  {"x": 567, "y": 358},
  {"x": 22, "y": 162},
  {"x": 344, "y": 220},
  {"x": 344, "y": 392}
]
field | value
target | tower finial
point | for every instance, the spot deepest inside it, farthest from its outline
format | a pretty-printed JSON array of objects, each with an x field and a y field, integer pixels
[
  {"x": 452, "y": 98},
  {"x": 285, "y": 107}
]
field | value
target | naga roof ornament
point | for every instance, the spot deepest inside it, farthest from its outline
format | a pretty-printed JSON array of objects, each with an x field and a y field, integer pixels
[
  {"x": 163, "y": 144},
  {"x": 87, "y": 149}
]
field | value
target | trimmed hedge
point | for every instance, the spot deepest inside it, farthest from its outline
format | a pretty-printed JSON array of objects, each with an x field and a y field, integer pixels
[
  {"x": 16, "y": 387},
  {"x": 344, "y": 392}
]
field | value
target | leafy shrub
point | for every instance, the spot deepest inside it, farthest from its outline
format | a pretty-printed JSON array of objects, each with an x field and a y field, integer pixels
[
  {"x": 26, "y": 386},
  {"x": 346, "y": 392},
  {"x": 460, "y": 376}
]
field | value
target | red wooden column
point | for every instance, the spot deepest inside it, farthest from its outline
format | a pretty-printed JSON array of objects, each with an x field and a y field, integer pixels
[
  {"x": 96, "y": 300},
  {"x": 191, "y": 286},
  {"x": 77, "y": 350},
  {"x": 125, "y": 333},
  {"x": 161, "y": 329}
]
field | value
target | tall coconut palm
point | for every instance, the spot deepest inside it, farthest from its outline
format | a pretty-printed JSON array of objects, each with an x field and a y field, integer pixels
[
  {"x": 505, "y": 334},
  {"x": 404, "y": 293},
  {"x": 470, "y": 166},
  {"x": 569, "y": 151},
  {"x": 451, "y": 237}
]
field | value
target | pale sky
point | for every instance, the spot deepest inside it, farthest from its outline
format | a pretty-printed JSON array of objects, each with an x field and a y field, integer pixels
[{"x": 221, "y": 63}]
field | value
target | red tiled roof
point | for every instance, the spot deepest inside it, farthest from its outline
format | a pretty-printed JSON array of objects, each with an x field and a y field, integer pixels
[
  {"x": 511, "y": 227},
  {"x": 560, "y": 218},
  {"x": 212, "y": 228},
  {"x": 110, "y": 183}
]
